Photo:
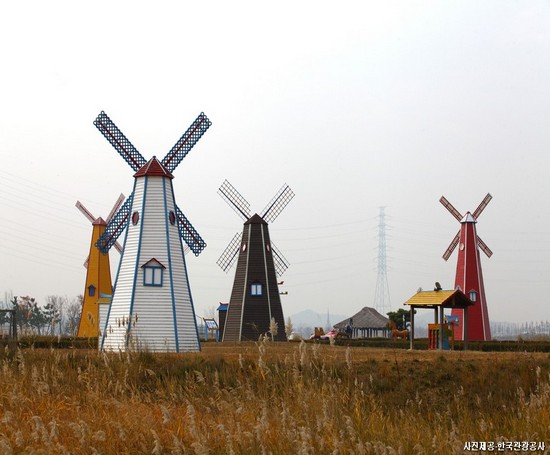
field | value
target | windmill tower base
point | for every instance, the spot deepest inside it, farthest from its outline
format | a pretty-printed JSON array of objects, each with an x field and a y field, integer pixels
[
  {"x": 152, "y": 309},
  {"x": 255, "y": 298}
]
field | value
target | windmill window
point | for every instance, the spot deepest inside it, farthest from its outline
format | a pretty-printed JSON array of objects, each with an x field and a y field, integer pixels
[
  {"x": 256, "y": 289},
  {"x": 152, "y": 273},
  {"x": 91, "y": 290}
]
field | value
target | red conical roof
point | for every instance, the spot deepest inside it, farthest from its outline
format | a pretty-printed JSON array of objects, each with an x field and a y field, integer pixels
[
  {"x": 153, "y": 167},
  {"x": 99, "y": 222}
]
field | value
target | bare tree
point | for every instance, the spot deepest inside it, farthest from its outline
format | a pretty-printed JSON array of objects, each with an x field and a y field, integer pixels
[
  {"x": 53, "y": 312},
  {"x": 72, "y": 315}
]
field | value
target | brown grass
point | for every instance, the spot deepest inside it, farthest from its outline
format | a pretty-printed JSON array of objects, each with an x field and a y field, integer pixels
[{"x": 270, "y": 398}]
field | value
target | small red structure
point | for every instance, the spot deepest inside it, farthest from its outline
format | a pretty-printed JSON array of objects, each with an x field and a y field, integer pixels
[{"x": 469, "y": 277}]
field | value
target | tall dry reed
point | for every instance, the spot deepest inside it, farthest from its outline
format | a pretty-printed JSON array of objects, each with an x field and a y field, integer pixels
[{"x": 269, "y": 398}]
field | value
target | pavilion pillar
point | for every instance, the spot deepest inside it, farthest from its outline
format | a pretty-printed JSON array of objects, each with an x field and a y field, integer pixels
[
  {"x": 411, "y": 335},
  {"x": 441, "y": 313}
]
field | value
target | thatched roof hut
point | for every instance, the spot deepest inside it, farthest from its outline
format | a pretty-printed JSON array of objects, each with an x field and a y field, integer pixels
[{"x": 367, "y": 323}]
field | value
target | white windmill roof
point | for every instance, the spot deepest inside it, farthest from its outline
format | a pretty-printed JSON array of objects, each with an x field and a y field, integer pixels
[{"x": 468, "y": 218}]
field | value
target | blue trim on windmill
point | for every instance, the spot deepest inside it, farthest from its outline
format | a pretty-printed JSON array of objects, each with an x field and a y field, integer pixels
[
  {"x": 138, "y": 256},
  {"x": 136, "y": 161},
  {"x": 170, "y": 276},
  {"x": 145, "y": 240},
  {"x": 186, "y": 142},
  {"x": 115, "y": 227},
  {"x": 105, "y": 326},
  {"x": 187, "y": 277},
  {"x": 121, "y": 144}
]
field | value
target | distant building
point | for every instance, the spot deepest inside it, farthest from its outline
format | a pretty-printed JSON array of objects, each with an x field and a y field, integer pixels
[{"x": 368, "y": 323}]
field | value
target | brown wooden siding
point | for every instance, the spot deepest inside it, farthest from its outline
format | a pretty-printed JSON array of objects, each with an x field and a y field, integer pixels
[{"x": 255, "y": 265}]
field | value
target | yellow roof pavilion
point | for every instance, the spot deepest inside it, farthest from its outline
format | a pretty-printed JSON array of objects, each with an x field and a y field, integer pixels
[
  {"x": 435, "y": 299},
  {"x": 438, "y": 301}
]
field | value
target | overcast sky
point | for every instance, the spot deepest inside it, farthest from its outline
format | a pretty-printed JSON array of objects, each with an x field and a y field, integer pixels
[{"x": 355, "y": 105}]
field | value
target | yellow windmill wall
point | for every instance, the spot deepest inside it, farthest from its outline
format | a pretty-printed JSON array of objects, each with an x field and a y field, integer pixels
[{"x": 98, "y": 275}]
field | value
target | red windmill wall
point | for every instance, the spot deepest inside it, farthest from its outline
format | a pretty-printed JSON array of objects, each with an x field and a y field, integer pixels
[{"x": 470, "y": 278}]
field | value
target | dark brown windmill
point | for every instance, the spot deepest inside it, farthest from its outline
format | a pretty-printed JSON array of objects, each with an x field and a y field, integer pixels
[{"x": 255, "y": 298}]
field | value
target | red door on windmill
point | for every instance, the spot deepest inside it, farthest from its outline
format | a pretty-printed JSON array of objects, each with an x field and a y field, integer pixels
[{"x": 469, "y": 276}]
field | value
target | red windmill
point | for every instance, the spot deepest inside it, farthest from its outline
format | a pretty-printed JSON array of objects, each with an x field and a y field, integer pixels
[{"x": 468, "y": 272}]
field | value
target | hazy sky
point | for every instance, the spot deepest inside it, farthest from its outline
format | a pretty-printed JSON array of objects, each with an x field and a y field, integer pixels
[{"x": 355, "y": 105}]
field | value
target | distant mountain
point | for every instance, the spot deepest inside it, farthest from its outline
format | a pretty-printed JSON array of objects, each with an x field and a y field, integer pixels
[{"x": 310, "y": 318}]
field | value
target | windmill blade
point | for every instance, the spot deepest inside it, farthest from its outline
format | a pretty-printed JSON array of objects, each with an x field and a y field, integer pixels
[
  {"x": 118, "y": 247},
  {"x": 115, "y": 208},
  {"x": 452, "y": 246},
  {"x": 115, "y": 226},
  {"x": 186, "y": 142},
  {"x": 450, "y": 208},
  {"x": 277, "y": 204},
  {"x": 482, "y": 206},
  {"x": 280, "y": 262},
  {"x": 121, "y": 144},
  {"x": 85, "y": 211},
  {"x": 189, "y": 234},
  {"x": 227, "y": 258},
  {"x": 235, "y": 200},
  {"x": 483, "y": 246}
]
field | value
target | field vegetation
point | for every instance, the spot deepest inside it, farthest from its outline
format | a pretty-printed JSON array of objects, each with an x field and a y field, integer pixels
[{"x": 270, "y": 398}]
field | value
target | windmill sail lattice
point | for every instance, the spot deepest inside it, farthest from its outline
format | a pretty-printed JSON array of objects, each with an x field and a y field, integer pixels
[
  {"x": 281, "y": 264},
  {"x": 235, "y": 200},
  {"x": 151, "y": 306},
  {"x": 227, "y": 259},
  {"x": 121, "y": 144},
  {"x": 115, "y": 226},
  {"x": 186, "y": 142},
  {"x": 189, "y": 234},
  {"x": 277, "y": 204},
  {"x": 255, "y": 298}
]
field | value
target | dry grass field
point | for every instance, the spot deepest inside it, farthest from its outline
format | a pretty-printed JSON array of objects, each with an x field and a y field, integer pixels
[{"x": 274, "y": 398}]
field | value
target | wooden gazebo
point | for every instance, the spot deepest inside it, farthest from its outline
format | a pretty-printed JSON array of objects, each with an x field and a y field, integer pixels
[{"x": 438, "y": 300}]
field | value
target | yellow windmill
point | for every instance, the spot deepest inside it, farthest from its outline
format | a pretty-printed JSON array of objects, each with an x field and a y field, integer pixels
[{"x": 99, "y": 287}]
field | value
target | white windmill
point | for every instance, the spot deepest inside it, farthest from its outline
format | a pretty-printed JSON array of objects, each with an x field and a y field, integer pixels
[{"x": 151, "y": 306}]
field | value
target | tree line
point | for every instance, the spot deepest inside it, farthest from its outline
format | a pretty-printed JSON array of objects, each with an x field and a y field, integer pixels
[{"x": 59, "y": 316}]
